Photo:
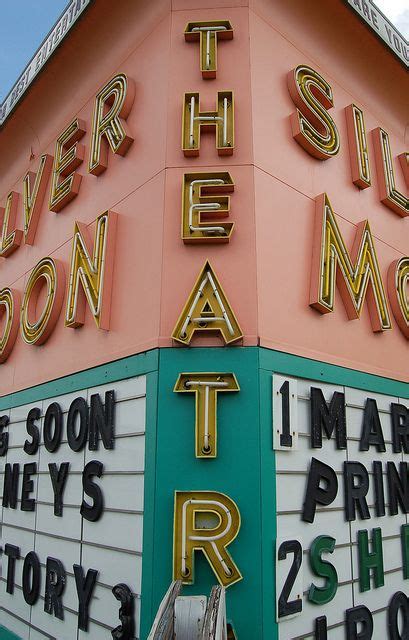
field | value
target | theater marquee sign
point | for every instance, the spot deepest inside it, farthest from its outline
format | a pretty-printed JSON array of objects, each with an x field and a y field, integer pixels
[
  {"x": 87, "y": 280},
  {"x": 74, "y": 465}
]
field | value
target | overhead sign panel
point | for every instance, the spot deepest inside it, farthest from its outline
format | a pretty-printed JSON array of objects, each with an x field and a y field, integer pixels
[{"x": 382, "y": 27}]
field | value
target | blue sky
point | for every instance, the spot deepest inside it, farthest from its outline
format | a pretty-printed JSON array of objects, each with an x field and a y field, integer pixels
[
  {"x": 25, "y": 23},
  {"x": 23, "y": 26},
  {"x": 398, "y": 13}
]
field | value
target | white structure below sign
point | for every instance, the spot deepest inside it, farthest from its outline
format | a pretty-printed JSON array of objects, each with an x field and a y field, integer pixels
[
  {"x": 342, "y": 504},
  {"x": 110, "y": 544}
]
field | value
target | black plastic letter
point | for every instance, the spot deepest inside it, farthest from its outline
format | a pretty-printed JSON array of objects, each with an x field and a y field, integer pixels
[
  {"x": 10, "y": 487},
  {"x": 126, "y": 630},
  {"x": 27, "y": 503},
  {"x": 321, "y": 628},
  {"x": 399, "y": 602},
  {"x": 4, "y": 437},
  {"x": 328, "y": 418},
  {"x": 101, "y": 421},
  {"x": 359, "y": 616},
  {"x": 54, "y": 588},
  {"x": 398, "y": 487},
  {"x": 355, "y": 493},
  {"x": 378, "y": 488},
  {"x": 286, "y": 608},
  {"x": 53, "y": 427},
  {"x": 13, "y": 553},
  {"x": 372, "y": 435},
  {"x": 31, "y": 448},
  {"x": 31, "y": 578},
  {"x": 315, "y": 494},
  {"x": 400, "y": 428},
  {"x": 78, "y": 408},
  {"x": 286, "y": 439},
  {"x": 58, "y": 479},
  {"x": 85, "y": 587},
  {"x": 93, "y": 468}
]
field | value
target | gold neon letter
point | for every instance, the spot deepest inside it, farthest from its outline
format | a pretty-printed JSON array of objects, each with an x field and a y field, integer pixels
[
  {"x": 358, "y": 146},
  {"x": 221, "y": 121},
  {"x": 208, "y": 33},
  {"x": 206, "y": 387},
  {"x": 312, "y": 126},
  {"x": 9, "y": 241},
  {"x": 205, "y": 521},
  {"x": 390, "y": 196},
  {"x": 9, "y": 302},
  {"x": 66, "y": 160},
  {"x": 34, "y": 187},
  {"x": 398, "y": 288},
  {"x": 94, "y": 274},
  {"x": 118, "y": 94},
  {"x": 51, "y": 273},
  {"x": 404, "y": 163},
  {"x": 197, "y": 204},
  {"x": 331, "y": 261},
  {"x": 207, "y": 309}
]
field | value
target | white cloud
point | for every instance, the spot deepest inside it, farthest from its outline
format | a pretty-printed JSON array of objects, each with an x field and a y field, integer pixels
[
  {"x": 402, "y": 23},
  {"x": 398, "y": 13}
]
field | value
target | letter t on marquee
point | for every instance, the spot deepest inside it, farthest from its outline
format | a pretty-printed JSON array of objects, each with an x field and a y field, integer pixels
[
  {"x": 206, "y": 387},
  {"x": 208, "y": 33}
]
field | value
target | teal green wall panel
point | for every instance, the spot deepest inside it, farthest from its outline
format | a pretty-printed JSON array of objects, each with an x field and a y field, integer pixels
[
  {"x": 7, "y": 635},
  {"x": 235, "y": 472},
  {"x": 268, "y": 507},
  {"x": 330, "y": 373},
  {"x": 118, "y": 370}
]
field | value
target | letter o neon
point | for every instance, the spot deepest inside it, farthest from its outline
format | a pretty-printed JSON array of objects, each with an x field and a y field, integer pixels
[
  {"x": 51, "y": 271},
  {"x": 9, "y": 301}
]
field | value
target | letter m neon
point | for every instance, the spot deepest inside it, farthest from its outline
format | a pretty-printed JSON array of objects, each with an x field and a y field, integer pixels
[{"x": 331, "y": 263}]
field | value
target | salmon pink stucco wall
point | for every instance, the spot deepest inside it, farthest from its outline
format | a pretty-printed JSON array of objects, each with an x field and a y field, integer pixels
[
  {"x": 287, "y": 179},
  {"x": 265, "y": 268},
  {"x": 134, "y": 41}
]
